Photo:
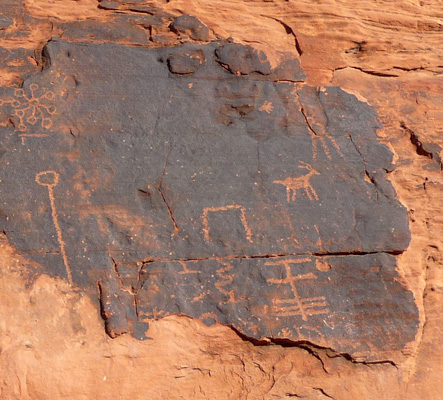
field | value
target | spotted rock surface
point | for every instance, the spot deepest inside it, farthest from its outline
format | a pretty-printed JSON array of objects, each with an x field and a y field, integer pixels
[{"x": 197, "y": 180}]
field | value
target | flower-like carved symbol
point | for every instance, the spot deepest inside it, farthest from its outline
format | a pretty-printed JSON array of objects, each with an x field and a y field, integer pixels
[{"x": 32, "y": 109}]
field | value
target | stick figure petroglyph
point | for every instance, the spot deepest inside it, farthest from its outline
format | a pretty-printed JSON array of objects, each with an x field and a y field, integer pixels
[
  {"x": 300, "y": 183},
  {"x": 322, "y": 140},
  {"x": 297, "y": 305},
  {"x": 50, "y": 179},
  {"x": 317, "y": 122}
]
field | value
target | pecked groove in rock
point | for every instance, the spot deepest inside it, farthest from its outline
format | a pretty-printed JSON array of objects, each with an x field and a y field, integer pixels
[
  {"x": 316, "y": 290},
  {"x": 194, "y": 165}
]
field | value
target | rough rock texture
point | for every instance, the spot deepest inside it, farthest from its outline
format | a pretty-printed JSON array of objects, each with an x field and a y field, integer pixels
[
  {"x": 221, "y": 180},
  {"x": 252, "y": 165}
]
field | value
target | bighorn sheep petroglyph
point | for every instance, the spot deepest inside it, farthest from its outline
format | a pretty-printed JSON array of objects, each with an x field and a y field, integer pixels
[{"x": 300, "y": 183}]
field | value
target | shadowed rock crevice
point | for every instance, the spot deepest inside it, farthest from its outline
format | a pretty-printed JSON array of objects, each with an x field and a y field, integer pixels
[
  {"x": 370, "y": 72},
  {"x": 289, "y": 31},
  {"x": 322, "y": 354},
  {"x": 429, "y": 150}
]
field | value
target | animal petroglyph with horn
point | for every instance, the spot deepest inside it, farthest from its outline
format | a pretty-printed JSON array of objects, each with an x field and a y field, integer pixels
[{"x": 300, "y": 183}]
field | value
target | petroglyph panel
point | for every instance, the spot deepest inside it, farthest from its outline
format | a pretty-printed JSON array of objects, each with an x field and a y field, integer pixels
[
  {"x": 212, "y": 189},
  {"x": 286, "y": 297}
]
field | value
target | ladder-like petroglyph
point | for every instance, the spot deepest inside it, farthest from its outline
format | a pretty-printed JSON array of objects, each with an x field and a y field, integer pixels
[{"x": 296, "y": 305}]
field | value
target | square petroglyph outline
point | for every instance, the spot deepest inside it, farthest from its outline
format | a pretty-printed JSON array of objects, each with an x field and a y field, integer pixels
[{"x": 207, "y": 229}]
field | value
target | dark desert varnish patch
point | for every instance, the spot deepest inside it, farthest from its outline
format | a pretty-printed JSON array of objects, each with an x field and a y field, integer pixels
[{"x": 202, "y": 183}]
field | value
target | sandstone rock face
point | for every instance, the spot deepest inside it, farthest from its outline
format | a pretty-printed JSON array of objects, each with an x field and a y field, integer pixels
[{"x": 266, "y": 215}]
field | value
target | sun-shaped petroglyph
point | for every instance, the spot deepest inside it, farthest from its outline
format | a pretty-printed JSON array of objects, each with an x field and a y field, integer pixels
[{"x": 31, "y": 109}]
